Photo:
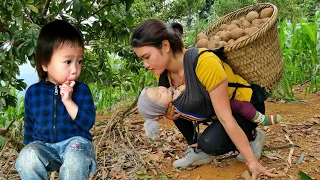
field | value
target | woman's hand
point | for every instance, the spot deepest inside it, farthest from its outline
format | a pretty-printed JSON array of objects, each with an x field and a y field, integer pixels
[
  {"x": 257, "y": 169},
  {"x": 170, "y": 113}
]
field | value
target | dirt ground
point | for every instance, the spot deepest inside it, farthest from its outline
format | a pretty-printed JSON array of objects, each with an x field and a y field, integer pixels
[
  {"x": 124, "y": 152},
  {"x": 301, "y": 124}
]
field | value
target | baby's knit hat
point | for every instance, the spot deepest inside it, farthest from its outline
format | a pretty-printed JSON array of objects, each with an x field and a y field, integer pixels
[{"x": 148, "y": 108}]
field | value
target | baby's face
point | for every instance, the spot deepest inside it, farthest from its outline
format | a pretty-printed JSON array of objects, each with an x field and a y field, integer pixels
[{"x": 160, "y": 95}]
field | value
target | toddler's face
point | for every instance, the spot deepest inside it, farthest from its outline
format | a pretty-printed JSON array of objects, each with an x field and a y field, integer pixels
[
  {"x": 160, "y": 95},
  {"x": 65, "y": 64}
]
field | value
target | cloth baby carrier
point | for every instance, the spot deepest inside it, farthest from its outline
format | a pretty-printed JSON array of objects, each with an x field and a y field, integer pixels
[{"x": 194, "y": 102}]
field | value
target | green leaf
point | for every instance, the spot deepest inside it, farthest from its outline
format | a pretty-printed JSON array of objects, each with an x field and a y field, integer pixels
[
  {"x": 33, "y": 8},
  {"x": 129, "y": 20},
  {"x": 3, "y": 89},
  {"x": 34, "y": 42},
  {"x": 16, "y": 51},
  {"x": 17, "y": 9},
  {"x": 128, "y": 4},
  {"x": 30, "y": 50},
  {"x": 77, "y": 5},
  {"x": 11, "y": 101},
  {"x": 19, "y": 20},
  {"x": 66, "y": 5},
  {"x": 303, "y": 176},
  {"x": 142, "y": 175}
]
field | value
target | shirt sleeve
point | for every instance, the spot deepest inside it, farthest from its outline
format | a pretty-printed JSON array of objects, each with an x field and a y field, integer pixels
[
  {"x": 86, "y": 115},
  {"x": 28, "y": 120},
  {"x": 210, "y": 71}
]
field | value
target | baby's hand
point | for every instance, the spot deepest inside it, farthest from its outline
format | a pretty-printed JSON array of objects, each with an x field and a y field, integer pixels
[
  {"x": 66, "y": 90},
  {"x": 176, "y": 93},
  {"x": 181, "y": 87}
]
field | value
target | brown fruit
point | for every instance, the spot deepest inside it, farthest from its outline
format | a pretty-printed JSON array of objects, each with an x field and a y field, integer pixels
[
  {"x": 267, "y": 12},
  {"x": 236, "y": 21},
  {"x": 252, "y": 15},
  {"x": 246, "y": 24},
  {"x": 231, "y": 41},
  {"x": 241, "y": 38},
  {"x": 221, "y": 44},
  {"x": 215, "y": 38},
  {"x": 212, "y": 44},
  {"x": 242, "y": 18},
  {"x": 231, "y": 27},
  {"x": 257, "y": 22},
  {"x": 237, "y": 33},
  {"x": 219, "y": 32},
  {"x": 251, "y": 30},
  {"x": 223, "y": 27},
  {"x": 201, "y": 36},
  {"x": 202, "y": 43},
  {"x": 225, "y": 36},
  {"x": 264, "y": 20}
]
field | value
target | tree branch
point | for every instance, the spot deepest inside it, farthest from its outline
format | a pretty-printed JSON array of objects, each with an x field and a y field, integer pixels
[
  {"x": 46, "y": 7},
  {"x": 2, "y": 27},
  {"x": 9, "y": 138},
  {"x": 5, "y": 130},
  {"x": 92, "y": 3},
  {"x": 109, "y": 4}
]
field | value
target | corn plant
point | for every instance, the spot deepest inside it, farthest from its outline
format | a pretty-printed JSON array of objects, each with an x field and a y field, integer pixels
[{"x": 300, "y": 47}]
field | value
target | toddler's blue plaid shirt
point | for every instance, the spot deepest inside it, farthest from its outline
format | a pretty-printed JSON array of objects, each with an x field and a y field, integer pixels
[{"x": 46, "y": 118}]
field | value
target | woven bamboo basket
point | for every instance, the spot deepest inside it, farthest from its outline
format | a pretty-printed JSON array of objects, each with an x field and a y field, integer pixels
[{"x": 258, "y": 58}]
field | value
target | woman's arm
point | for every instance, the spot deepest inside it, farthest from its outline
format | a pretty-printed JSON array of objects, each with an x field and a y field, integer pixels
[{"x": 221, "y": 105}]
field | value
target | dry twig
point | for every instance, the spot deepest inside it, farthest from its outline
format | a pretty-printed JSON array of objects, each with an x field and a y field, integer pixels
[{"x": 290, "y": 154}]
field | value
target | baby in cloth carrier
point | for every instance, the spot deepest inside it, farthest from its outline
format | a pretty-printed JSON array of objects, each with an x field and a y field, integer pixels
[{"x": 154, "y": 101}]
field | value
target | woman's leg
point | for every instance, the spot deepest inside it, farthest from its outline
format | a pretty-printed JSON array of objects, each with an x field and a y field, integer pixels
[
  {"x": 193, "y": 156},
  {"x": 36, "y": 160},
  {"x": 187, "y": 129},
  {"x": 215, "y": 140}
]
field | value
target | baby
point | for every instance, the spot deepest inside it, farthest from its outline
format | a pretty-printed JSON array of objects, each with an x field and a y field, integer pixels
[{"x": 154, "y": 101}]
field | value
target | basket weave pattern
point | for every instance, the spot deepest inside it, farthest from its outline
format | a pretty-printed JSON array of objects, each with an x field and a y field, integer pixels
[{"x": 258, "y": 58}]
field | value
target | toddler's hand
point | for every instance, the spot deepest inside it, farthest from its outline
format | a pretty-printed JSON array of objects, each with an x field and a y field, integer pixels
[{"x": 66, "y": 90}]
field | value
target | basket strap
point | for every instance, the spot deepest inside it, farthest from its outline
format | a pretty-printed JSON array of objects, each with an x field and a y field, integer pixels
[
  {"x": 220, "y": 53},
  {"x": 237, "y": 85}
]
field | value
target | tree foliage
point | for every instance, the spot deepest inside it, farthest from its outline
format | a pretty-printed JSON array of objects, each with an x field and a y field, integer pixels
[
  {"x": 20, "y": 22},
  {"x": 106, "y": 26}
]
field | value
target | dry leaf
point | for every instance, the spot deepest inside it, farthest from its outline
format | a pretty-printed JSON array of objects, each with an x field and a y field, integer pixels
[
  {"x": 198, "y": 177},
  {"x": 160, "y": 154},
  {"x": 186, "y": 176},
  {"x": 272, "y": 156},
  {"x": 118, "y": 174},
  {"x": 246, "y": 175},
  {"x": 154, "y": 157}
]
